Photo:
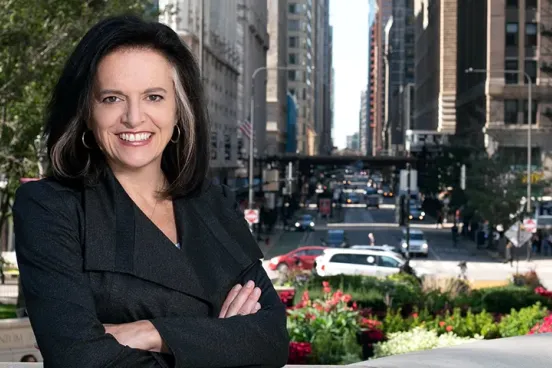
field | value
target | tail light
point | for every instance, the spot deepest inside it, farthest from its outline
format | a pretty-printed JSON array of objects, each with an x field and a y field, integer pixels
[{"x": 323, "y": 267}]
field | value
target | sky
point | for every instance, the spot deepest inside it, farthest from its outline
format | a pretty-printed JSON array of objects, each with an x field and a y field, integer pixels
[{"x": 350, "y": 62}]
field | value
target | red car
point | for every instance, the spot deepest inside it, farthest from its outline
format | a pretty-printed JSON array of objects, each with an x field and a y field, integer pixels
[{"x": 301, "y": 258}]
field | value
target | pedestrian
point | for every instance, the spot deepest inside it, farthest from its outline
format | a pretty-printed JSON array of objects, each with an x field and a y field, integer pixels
[
  {"x": 509, "y": 254},
  {"x": 129, "y": 256},
  {"x": 371, "y": 239}
]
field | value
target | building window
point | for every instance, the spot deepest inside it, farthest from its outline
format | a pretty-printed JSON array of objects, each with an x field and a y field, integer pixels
[
  {"x": 292, "y": 75},
  {"x": 227, "y": 147},
  {"x": 294, "y": 25},
  {"x": 293, "y": 41},
  {"x": 512, "y": 30},
  {"x": 292, "y": 8},
  {"x": 530, "y": 34},
  {"x": 214, "y": 145},
  {"x": 531, "y": 70},
  {"x": 534, "y": 108},
  {"x": 511, "y": 65},
  {"x": 512, "y": 3},
  {"x": 531, "y": 4},
  {"x": 510, "y": 111},
  {"x": 293, "y": 59}
]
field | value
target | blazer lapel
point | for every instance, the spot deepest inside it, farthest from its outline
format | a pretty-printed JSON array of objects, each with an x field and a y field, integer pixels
[{"x": 111, "y": 244}]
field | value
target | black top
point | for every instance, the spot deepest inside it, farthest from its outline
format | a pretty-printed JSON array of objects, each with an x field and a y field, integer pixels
[{"x": 90, "y": 256}]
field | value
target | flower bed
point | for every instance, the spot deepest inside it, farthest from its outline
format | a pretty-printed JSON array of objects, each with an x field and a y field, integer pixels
[{"x": 367, "y": 317}]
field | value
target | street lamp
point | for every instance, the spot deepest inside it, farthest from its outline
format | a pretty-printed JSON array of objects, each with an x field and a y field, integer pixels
[
  {"x": 252, "y": 119},
  {"x": 529, "y": 120}
]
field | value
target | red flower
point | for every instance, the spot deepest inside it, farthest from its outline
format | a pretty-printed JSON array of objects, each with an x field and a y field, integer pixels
[
  {"x": 449, "y": 328},
  {"x": 299, "y": 352},
  {"x": 442, "y": 324},
  {"x": 355, "y": 306},
  {"x": 346, "y": 298},
  {"x": 414, "y": 315}
]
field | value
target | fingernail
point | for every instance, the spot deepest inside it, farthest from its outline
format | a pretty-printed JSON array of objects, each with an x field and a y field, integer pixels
[
  {"x": 258, "y": 306},
  {"x": 257, "y": 291},
  {"x": 237, "y": 287},
  {"x": 250, "y": 284}
]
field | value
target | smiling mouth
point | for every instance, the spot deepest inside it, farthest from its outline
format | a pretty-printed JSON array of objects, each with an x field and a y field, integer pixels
[{"x": 134, "y": 137}]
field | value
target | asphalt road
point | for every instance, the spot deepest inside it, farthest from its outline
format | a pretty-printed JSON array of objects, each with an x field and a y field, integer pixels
[{"x": 443, "y": 256}]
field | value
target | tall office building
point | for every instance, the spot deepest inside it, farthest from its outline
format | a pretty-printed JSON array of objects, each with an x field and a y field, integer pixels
[
  {"x": 512, "y": 35},
  {"x": 252, "y": 45},
  {"x": 278, "y": 139},
  {"x": 377, "y": 74},
  {"x": 365, "y": 137},
  {"x": 436, "y": 64},
  {"x": 209, "y": 28},
  {"x": 363, "y": 123},
  {"x": 308, "y": 21},
  {"x": 325, "y": 134},
  {"x": 401, "y": 72}
]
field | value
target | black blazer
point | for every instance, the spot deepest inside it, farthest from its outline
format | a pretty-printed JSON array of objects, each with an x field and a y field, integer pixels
[{"x": 90, "y": 256}]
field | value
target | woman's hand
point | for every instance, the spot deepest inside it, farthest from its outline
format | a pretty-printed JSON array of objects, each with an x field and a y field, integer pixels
[
  {"x": 140, "y": 335},
  {"x": 241, "y": 300}
]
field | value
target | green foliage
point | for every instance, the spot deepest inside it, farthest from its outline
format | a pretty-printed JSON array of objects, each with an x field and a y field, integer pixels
[
  {"x": 36, "y": 38},
  {"x": 329, "y": 324},
  {"x": 520, "y": 322},
  {"x": 417, "y": 339},
  {"x": 502, "y": 299}
]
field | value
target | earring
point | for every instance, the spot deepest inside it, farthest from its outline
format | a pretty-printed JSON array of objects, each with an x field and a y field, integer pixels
[
  {"x": 177, "y": 134},
  {"x": 83, "y": 139}
]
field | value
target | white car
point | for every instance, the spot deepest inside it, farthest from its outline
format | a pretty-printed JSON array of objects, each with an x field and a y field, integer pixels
[
  {"x": 364, "y": 262},
  {"x": 418, "y": 243}
]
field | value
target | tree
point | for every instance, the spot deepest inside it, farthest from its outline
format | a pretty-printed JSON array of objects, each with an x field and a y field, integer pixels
[
  {"x": 493, "y": 190},
  {"x": 35, "y": 40}
]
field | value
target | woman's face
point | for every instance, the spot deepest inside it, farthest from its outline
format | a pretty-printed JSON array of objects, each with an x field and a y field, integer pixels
[{"x": 133, "y": 108}]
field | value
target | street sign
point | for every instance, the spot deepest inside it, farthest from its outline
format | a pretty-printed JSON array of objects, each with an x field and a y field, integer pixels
[
  {"x": 512, "y": 235},
  {"x": 530, "y": 225},
  {"x": 251, "y": 216}
]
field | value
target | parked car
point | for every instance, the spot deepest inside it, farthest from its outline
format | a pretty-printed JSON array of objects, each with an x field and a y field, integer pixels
[
  {"x": 301, "y": 258},
  {"x": 305, "y": 223},
  {"x": 387, "y": 191}
]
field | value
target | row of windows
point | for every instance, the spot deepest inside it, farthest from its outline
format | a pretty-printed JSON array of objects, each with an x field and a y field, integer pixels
[
  {"x": 529, "y": 4},
  {"x": 530, "y": 67},
  {"x": 513, "y": 108},
  {"x": 512, "y": 34}
]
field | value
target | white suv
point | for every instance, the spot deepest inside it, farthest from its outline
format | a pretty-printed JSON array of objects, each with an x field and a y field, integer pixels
[{"x": 360, "y": 262}]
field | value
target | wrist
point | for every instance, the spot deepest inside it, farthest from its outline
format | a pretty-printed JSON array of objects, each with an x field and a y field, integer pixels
[{"x": 151, "y": 336}]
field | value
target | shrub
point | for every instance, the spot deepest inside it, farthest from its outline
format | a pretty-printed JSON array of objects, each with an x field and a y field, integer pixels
[
  {"x": 520, "y": 322},
  {"x": 328, "y": 324},
  {"x": 529, "y": 279},
  {"x": 415, "y": 340},
  {"x": 501, "y": 300},
  {"x": 544, "y": 326}
]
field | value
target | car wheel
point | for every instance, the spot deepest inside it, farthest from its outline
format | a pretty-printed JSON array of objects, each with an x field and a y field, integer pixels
[{"x": 283, "y": 268}]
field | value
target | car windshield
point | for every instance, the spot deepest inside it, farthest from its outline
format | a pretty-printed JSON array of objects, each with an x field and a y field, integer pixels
[
  {"x": 306, "y": 218},
  {"x": 416, "y": 236}
]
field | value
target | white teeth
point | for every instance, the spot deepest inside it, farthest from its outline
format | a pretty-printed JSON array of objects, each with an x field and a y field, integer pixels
[{"x": 134, "y": 137}]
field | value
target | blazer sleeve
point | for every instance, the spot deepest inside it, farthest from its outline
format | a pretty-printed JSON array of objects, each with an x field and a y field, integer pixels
[
  {"x": 60, "y": 303},
  {"x": 258, "y": 340}
]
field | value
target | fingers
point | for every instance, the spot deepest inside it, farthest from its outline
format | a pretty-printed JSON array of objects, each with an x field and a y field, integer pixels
[
  {"x": 229, "y": 299},
  {"x": 246, "y": 300}
]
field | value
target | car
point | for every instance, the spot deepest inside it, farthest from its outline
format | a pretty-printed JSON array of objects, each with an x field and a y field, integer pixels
[
  {"x": 301, "y": 258},
  {"x": 386, "y": 191},
  {"x": 367, "y": 262},
  {"x": 353, "y": 198},
  {"x": 418, "y": 243},
  {"x": 305, "y": 223},
  {"x": 383, "y": 248},
  {"x": 416, "y": 213},
  {"x": 373, "y": 200},
  {"x": 335, "y": 238}
]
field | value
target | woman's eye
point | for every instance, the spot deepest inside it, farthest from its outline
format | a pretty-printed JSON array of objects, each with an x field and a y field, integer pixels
[
  {"x": 110, "y": 99},
  {"x": 155, "y": 98}
]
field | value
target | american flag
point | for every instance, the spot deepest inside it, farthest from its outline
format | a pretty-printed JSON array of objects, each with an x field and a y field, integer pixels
[{"x": 245, "y": 127}]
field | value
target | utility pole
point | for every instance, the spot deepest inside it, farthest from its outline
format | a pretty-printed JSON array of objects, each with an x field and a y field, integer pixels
[{"x": 408, "y": 168}]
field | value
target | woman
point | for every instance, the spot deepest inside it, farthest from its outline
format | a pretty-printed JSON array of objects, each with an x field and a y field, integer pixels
[{"x": 128, "y": 257}]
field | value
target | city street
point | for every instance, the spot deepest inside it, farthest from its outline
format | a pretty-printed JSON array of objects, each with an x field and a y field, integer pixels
[{"x": 443, "y": 256}]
